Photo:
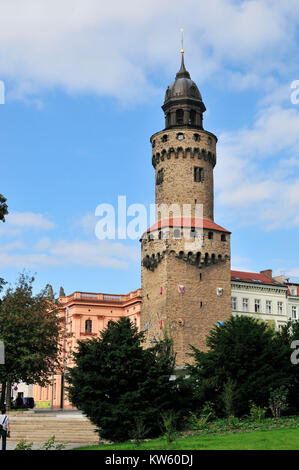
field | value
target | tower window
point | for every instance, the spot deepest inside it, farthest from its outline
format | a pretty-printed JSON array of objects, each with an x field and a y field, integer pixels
[
  {"x": 192, "y": 119},
  {"x": 153, "y": 143},
  {"x": 160, "y": 176},
  {"x": 223, "y": 237},
  {"x": 176, "y": 233},
  {"x": 210, "y": 141},
  {"x": 164, "y": 138},
  {"x": 198, "y": 174},
  {"x": 196, "y": 137},
  {"x": 167, "y": 119},
  {"x": 179, "y": 115},
  {"x": 210, "y": 235},
  {"x": 88, "y": 326},
  {"x": 180, "y": 136}
]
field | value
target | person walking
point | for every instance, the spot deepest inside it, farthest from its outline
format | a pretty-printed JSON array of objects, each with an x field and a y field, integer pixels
[{"x": 4, "y": 427}]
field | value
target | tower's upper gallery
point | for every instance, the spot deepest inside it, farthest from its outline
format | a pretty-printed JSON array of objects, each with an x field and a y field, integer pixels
[{"x": 183, "y": 105}]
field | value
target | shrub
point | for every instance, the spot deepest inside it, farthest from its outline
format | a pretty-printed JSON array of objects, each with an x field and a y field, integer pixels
[
  {"x": 278, "y": 401},
  {"x": 257, "y": 413},
  {"x": 169, "y": 425}
]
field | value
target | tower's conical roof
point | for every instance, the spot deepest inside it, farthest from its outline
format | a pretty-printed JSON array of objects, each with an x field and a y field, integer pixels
[{"x": 183, "y": 87}]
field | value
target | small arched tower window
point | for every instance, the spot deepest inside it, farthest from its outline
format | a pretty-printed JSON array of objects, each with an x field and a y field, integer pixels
[
  {"x": 192, "y": 121},
  {"x": 88, "y": 326},
  {"x": 168, "y": 120},
  {"x": 179, "y": 114}
]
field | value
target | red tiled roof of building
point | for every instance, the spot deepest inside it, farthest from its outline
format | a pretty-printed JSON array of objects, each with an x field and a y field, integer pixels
[
  {"x": 260, "y": 278},
  {"x": 186, "y": 222}
]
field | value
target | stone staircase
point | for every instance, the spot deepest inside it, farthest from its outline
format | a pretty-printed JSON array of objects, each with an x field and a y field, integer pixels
[{"x": 39, "y": 427}]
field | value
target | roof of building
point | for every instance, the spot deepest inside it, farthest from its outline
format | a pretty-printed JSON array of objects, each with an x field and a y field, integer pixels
[
  {"x": 183, "y": 88},
  {"x": 255, "y": 278},
  {"x": 186, "y": 222}
]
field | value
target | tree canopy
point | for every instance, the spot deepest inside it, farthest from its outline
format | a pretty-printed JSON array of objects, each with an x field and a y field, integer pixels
[
  {"x": 30, "y": 330},
  {"x": 246, "y": 359},
  {"x": 118, "y": 384},
  {"x": 3, "y": 208}
]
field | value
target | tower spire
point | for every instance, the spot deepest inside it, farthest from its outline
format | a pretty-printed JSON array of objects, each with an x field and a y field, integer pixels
[
  {"x": 182, "y": 73},
  {"x": 182, "y": 40}
]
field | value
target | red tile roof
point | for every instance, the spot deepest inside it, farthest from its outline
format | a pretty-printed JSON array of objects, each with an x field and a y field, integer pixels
[
  {"x": 186, "y": 222},
  {"x": 258, "y": 278}
]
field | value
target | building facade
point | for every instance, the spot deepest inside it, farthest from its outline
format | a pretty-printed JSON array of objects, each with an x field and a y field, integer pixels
[
  {"x": 84, "y": 316},
  {"x": 260, "y": 296}
]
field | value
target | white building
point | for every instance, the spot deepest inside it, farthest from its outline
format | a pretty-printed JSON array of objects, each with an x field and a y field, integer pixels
[
  {"x": 260, "y": 296},
  {"x": 293, "y": 301}
]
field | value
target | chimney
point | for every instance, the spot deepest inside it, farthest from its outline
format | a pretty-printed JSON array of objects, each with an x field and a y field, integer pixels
[{"x": 267, "y": 272}]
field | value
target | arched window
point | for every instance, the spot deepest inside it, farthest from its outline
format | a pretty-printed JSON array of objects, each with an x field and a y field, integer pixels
[
  {"x": 192, "y": 120},
  {"x": 88, "y": 326},
  {"x": 167, "y": 119},
  {"x": 179, "y": 114}
]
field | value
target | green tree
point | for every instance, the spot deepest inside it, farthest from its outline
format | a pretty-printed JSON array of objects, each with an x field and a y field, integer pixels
[
  {"x": 117, "y": 383},
  {"x": 3, "y": 208},
  {"x": 243, "y": 351},
  {"x": 30, "y": 330}
]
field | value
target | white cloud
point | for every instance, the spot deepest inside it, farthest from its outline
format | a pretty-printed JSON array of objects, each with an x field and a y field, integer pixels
[
  {"x": 69, "y": 253},
  {"x": 113, "y": 48},
  {"x": 248, "y": 182},
  {"x": 28, "y": 220}
]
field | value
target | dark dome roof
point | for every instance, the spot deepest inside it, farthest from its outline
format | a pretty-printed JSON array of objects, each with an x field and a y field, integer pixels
[{"x": 183, "y": 86}]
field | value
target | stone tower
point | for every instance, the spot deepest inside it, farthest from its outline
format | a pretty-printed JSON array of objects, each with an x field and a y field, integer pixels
[{"x": 185, "y": 258}]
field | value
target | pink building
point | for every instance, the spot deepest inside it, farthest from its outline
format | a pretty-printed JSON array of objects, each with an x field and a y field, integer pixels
[{"x": 85, "y": 315}]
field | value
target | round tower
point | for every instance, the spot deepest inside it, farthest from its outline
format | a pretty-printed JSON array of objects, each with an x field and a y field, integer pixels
[
  {"x": 185, "y": 283},
  {"x": 184, "y": 154}
]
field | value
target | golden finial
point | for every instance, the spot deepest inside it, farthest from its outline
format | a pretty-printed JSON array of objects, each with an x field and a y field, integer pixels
[{"x": 182, "y": 40}]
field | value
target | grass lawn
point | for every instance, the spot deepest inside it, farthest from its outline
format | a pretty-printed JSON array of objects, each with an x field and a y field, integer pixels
[{"x": 268, "y": 439}]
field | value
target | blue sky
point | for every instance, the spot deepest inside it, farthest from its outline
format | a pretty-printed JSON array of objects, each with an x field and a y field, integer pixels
[{"x": 84, "y": 85}]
